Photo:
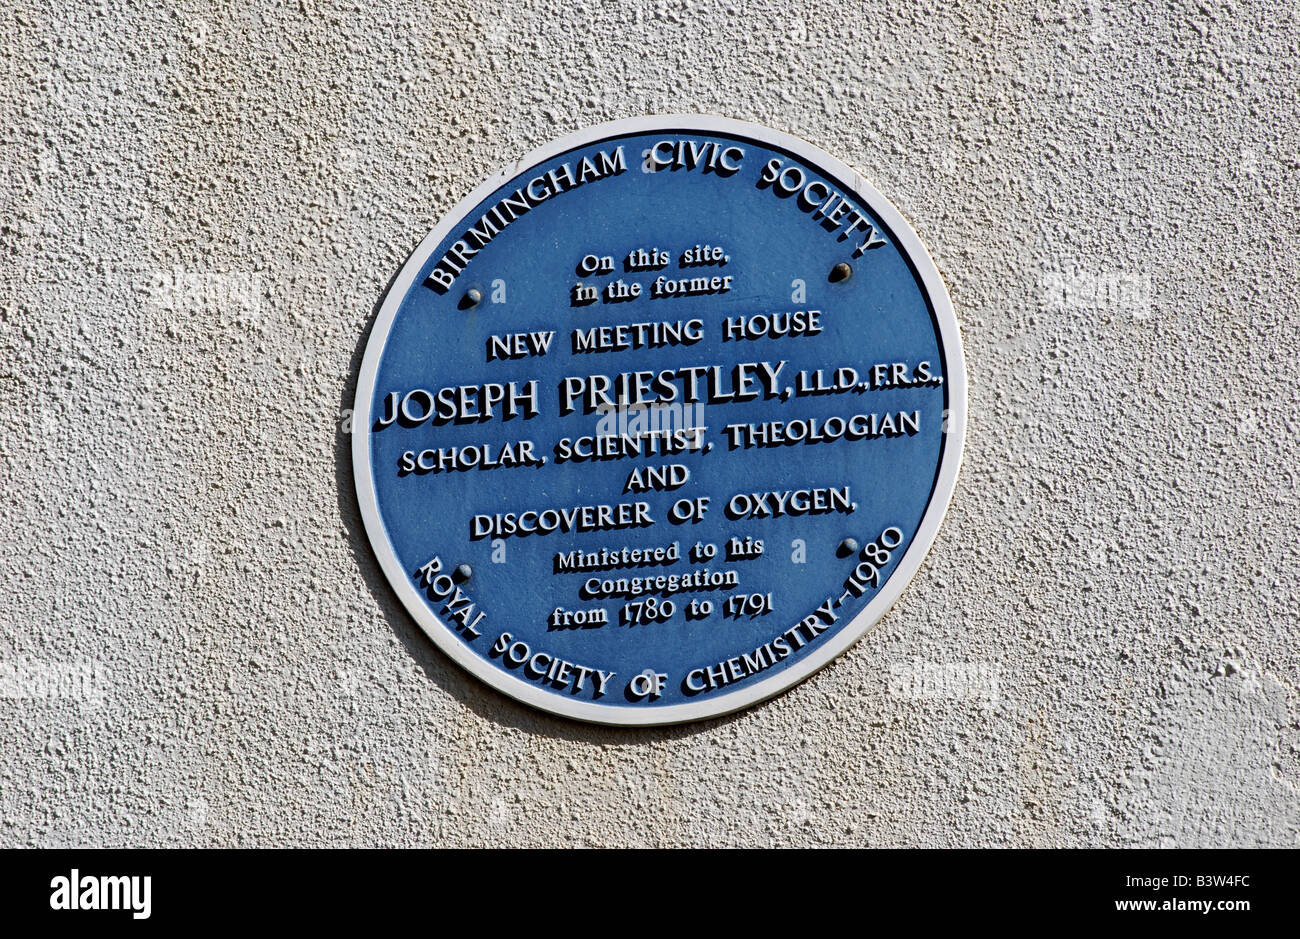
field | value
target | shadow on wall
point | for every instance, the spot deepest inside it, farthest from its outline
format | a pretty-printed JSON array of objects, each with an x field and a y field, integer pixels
[{"x": 483, "y": 700}]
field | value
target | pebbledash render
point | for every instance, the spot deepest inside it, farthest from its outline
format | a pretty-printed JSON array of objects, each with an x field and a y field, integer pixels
[{"x": 202, "y": 210}]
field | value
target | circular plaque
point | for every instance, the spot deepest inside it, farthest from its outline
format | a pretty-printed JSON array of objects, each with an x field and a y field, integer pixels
[{"x": 659, "y": 420}]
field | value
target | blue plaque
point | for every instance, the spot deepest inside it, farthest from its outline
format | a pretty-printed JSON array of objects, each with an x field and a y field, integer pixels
[{"x": 659, "y": 420}]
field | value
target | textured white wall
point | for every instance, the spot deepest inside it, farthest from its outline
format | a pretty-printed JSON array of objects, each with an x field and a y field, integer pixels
[{"x": 202, "y": 203}]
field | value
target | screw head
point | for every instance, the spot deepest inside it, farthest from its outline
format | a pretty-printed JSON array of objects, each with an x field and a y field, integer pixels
[
  {"x": 840, "y": 272},
  {"x": 847, "y": 546},
  {"x": 462, "y": 573},
  {"x": 473, "y": 296}
]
